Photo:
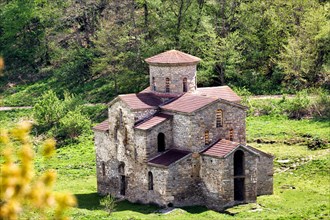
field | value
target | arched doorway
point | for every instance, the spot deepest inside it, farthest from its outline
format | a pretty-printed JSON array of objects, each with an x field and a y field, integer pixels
[
  {"x": 161, "y": 142},
  {"x": 122, "y": 177},
  {"x": 239, "y": 176}
]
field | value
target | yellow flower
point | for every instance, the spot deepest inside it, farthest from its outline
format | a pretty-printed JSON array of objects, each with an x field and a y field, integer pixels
[{"x": 49, "y": 147}]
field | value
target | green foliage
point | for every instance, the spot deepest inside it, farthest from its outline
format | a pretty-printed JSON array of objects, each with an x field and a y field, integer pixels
[
  {"x": 97, "y": 48},
  {"x": 305, "y": 104},
  {"x": 48, "y": 110},
  {"x": 73, "y": 124},
  {"x": 109, "y": 203},
  {"x": 61, "y": 118}
]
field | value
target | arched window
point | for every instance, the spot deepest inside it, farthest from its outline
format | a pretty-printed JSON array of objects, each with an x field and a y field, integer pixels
[
  {"x": 103, "y": 168},
  {"x": 161, "y": 142},
  {"x": 150, "y": 181},
  {"x": 167, "y": 85},
  {"x": 231, "y": 134},
  {"x": 207, "y": 138},
  {"x": 153, "y": 84},
  {"x": 184, "y": 85},
  {"x": 219, "y": 116}
]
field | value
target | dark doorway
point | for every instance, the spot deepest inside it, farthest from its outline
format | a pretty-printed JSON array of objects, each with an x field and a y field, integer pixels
[
  {"x": 122, "y": 185},
  {"x": 239, "y": 163},
  {"x": 161, "y": 142},
  {"x": 239, "y": 189},
  {"x": 239, "y": 177}
]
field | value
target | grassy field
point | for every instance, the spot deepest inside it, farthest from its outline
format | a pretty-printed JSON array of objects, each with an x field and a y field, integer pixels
[{"x": 301, "y": 184}]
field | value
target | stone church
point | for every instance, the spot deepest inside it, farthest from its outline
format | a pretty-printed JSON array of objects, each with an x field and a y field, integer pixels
[{"x": 174, "y": 144}]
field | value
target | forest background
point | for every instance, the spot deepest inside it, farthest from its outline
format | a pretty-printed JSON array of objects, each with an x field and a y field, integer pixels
[{"x": 96, "y": 48}]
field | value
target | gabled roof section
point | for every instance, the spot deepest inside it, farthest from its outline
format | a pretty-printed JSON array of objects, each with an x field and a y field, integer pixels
[
  {"x": 141, "y": 100},
  {"x": 188, "y": 103},
  {"x": 169, "y": 157},
  {"x": 172, "y": 58},
  {"x": 153, "y": 121},
  {"x": 103, "y": 126},
  {"x": 223, "y": 148},
  {"x": 220, "y": 92},
  {"x": 259, "y": 151}
]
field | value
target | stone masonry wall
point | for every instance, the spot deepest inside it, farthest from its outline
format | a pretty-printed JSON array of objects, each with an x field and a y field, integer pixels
[
  {"x": 265, "y": 175},
  {"x": 176, "y": 74},
  {"x": 103, "y": 150},
  {"x": 142, "y": 114},
  {"x": 189, "y": 130},
  {"x": 184, "y": 184},
  {"x": 217, "y": 175},
  {"x": 152, "y": 138}
]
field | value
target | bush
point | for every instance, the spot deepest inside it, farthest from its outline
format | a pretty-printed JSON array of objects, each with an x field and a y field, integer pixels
[
  {"x": 321, "y": 106},
  {"x": 73, "y": 124},
  {"x": 109, "y": 203},
  {"x": 316, "y": 143},
  {"x": 60, "y": 118},
  {"x": 48, "y": 111},
  {"x": 299, "y": 106}
]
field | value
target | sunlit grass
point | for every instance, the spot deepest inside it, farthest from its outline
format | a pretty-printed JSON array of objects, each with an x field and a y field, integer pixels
[{"x": 301, "y": 186}]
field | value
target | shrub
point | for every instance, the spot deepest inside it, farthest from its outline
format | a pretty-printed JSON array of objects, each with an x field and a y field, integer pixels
[
  {"x": 321, "y": 106},
  {"x": 316, "y": 143},
  {"x": 60, "y": 118},
  {"x": 109, "y": 203},
  {"x": 48, "y": 111},
  {"x": 299, "y": 106},
  {"x": 74, "y": 123}
]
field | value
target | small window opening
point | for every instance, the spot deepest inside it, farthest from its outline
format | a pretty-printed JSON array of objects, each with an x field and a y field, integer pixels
[
  {"x": 167, "y": 85},
  {"x": 115, "y": 134},
  {"x": 161, "y": 142},
  {"x": 153, "y": 84},
  {"x": 121, "y": 168},
  {"x": 207, "y": 138},
  {"x": 103, "y": 169},
  {"x": 120, "y": 118},
  {"x": 231, "y": 134},
  {"x": 184, "y": 85},
  {"x": 150, "y": 181},
  {"x": 219, "y": 118},
  {"x": 125, "y": 137}
]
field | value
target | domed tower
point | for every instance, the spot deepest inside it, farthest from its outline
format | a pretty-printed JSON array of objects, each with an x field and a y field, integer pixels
[{"x": 173, "y": 72}]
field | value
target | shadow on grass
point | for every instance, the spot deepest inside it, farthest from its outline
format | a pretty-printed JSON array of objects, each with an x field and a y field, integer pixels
[
  {"x": 91, "y": 201},
  {"x": 195, "y": 209}
]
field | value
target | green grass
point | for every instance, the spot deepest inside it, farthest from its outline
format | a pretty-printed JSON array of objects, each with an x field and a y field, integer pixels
[
  {"x": 301, "y": 187},
  {"x": 280, "y": 129}
]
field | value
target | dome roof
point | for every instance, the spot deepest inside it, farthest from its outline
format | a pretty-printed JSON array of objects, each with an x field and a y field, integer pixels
[{"x": 172, "y": 58}]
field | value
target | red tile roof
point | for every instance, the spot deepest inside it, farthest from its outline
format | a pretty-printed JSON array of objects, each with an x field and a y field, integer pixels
[
  {"x": 155, "y": 120},
  {"x": 221, "y": 92},
  {"x": 141, "y": 100},
  {"x": 103, "y": 126},
  {"x": 188, "y": 103},
  {"x": 221, "y": 149},
  {"x": 169, "y": 157},
  {"x": 172, "y": 57}
]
